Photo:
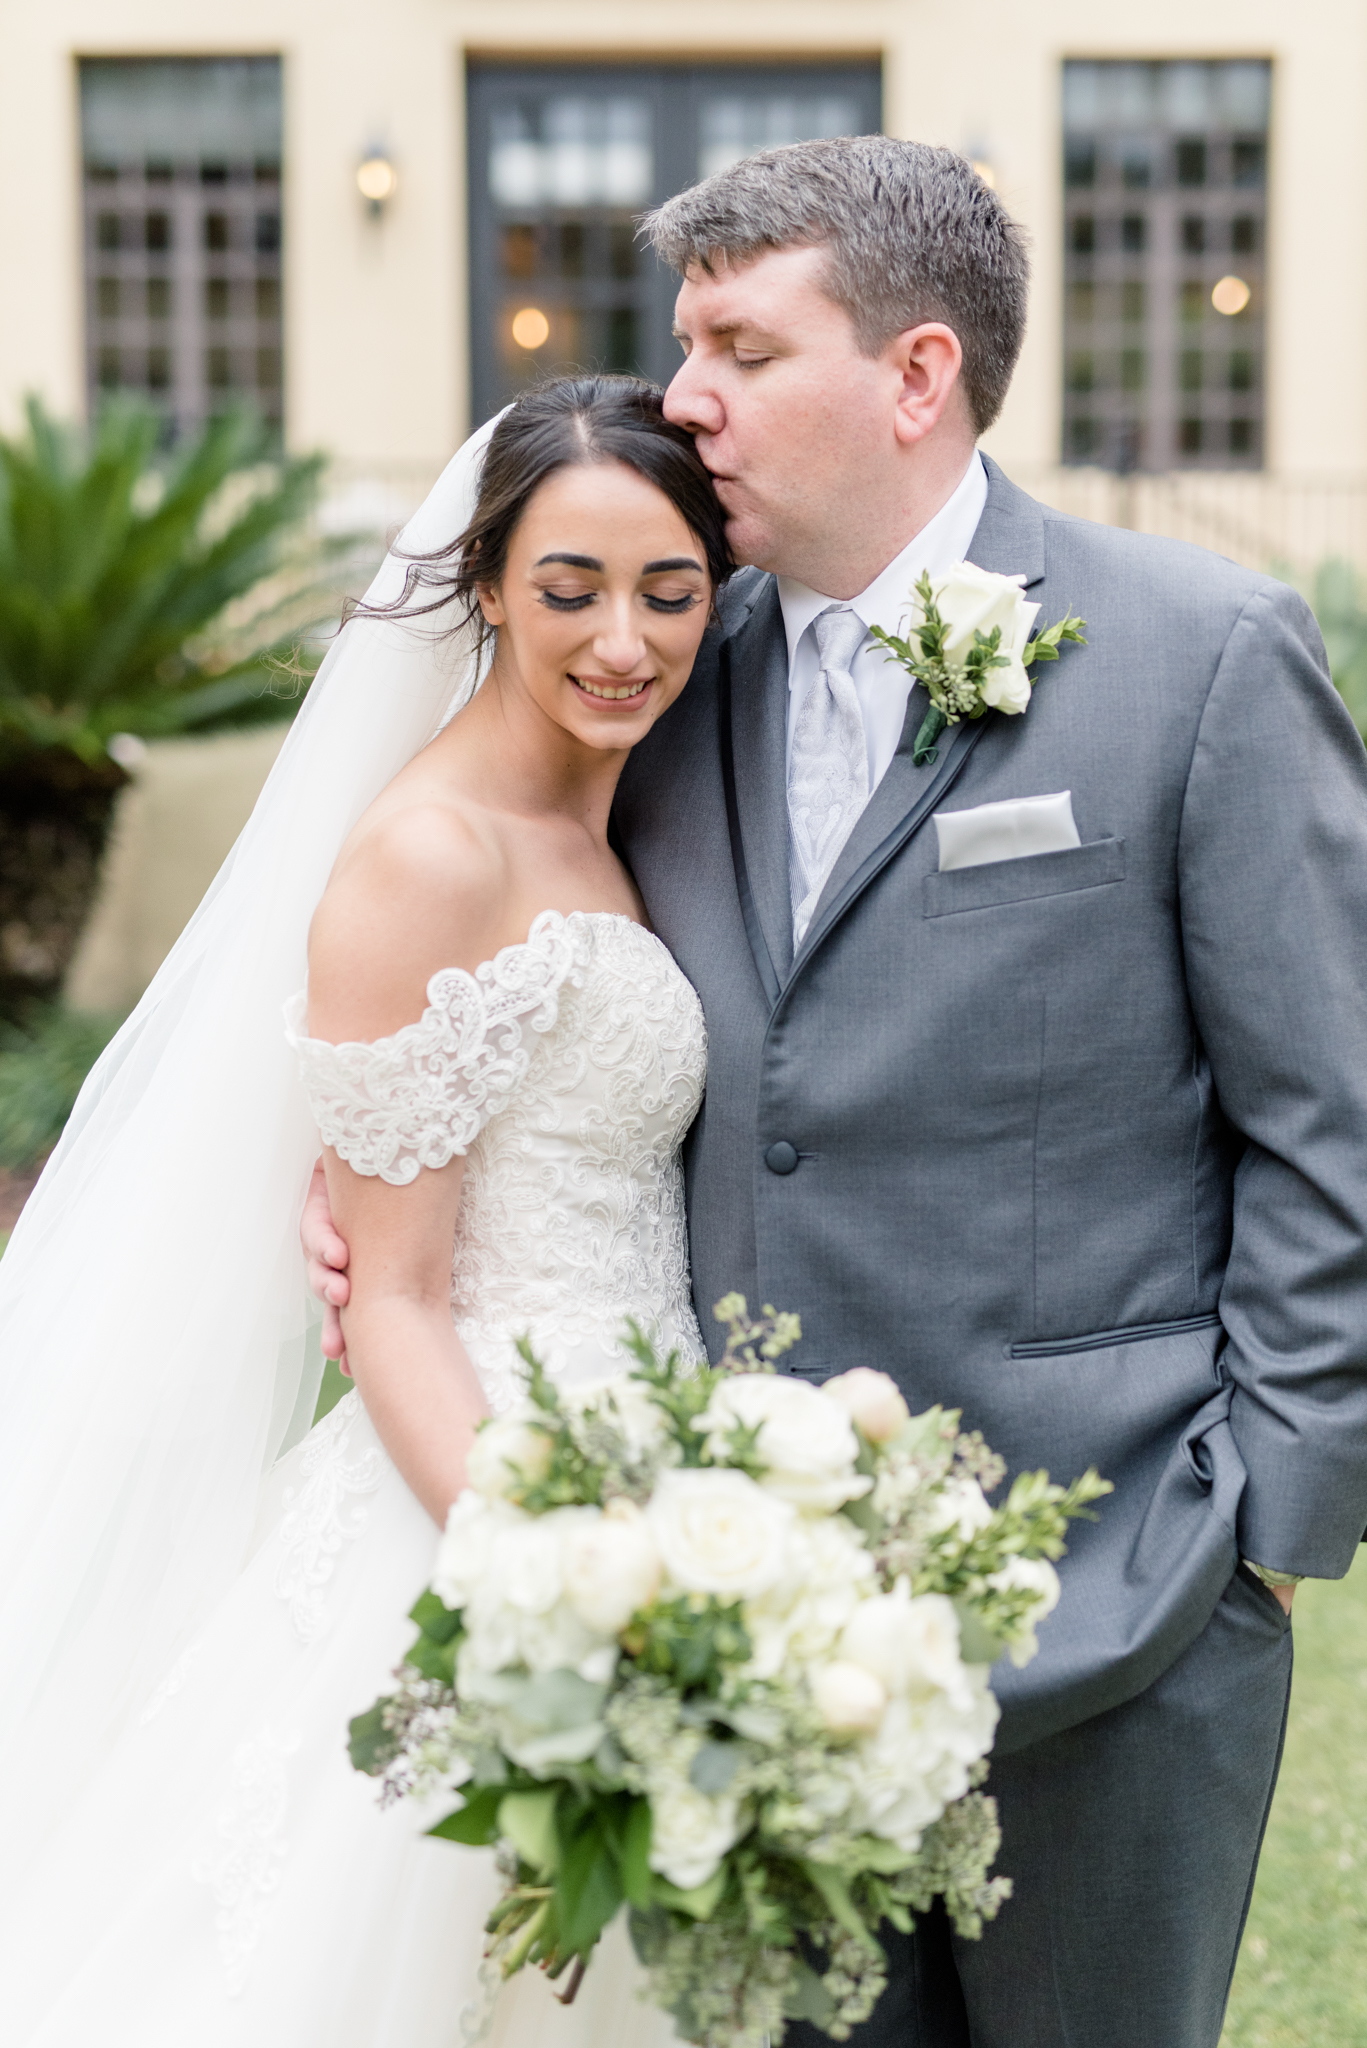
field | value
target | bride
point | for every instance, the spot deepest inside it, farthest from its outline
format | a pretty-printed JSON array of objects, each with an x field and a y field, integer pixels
[{"x": 503, "y": 1062}]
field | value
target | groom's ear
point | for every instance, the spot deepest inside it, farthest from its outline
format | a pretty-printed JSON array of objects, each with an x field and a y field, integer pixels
[{"x": 927, "y": 359}]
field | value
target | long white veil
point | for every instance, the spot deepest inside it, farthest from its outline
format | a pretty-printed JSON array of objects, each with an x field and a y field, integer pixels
[{"x": 153, "y": 1312}]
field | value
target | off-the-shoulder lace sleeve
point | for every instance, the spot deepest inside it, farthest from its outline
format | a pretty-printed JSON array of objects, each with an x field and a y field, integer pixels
[{"x": 421, "y": 1097}]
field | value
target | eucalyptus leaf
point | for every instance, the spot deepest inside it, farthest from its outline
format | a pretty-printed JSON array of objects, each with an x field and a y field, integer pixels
[
  {"x": 714, "y": 1766},
  {"x": 701, "y": 1902}
]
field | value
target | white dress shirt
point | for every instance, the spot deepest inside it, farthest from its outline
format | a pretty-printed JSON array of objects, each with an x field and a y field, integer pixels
[{"x": 883, "y": 686}]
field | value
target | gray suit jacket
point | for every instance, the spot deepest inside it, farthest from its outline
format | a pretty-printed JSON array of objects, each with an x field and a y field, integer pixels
[{"x": 1082, "y": 1138}]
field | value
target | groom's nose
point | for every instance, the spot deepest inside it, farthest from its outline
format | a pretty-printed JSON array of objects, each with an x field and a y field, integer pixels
[{"x": 691, "y": 402}]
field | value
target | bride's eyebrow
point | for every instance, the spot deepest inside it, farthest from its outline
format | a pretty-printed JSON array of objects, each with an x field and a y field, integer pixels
[
  {"x": 671, "y": 562},
  {"x": 571, "y": 561}
]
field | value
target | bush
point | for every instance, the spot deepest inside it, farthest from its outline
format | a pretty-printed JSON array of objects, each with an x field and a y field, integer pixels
[
  {"x": 43, "y": 1063},
  {"x": 139, "y": 594}
]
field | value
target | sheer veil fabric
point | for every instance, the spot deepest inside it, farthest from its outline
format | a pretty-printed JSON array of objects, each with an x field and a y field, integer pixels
[{"x": 153, "y": 1312}]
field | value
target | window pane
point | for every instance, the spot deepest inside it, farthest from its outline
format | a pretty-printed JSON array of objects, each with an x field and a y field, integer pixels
[
  {"x": 563, "y": 158},
  {"x": 1164, "y": 261},
  {"x": 182, "y": 175}
]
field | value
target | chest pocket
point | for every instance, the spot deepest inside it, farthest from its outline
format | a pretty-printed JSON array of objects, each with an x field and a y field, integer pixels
[{"x": 1021, "y": 881}]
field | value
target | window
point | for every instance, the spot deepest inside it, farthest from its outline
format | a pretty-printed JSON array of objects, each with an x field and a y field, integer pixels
[
  {"x": 1164, "y": 175},
  {"x": 182, "y": 233},
  {"x": 564, "y": 158}
]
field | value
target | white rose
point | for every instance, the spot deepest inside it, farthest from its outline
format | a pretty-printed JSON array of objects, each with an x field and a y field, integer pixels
[
  {"x": 911, "y": 1645},
  {"x": 960, "y": 1505},
  {"x": 1028, "y": 1575},
  {"x": 690, "y": 1833},
  {"x": 974, "y": 600},
  {"x": 871, "y": 1401},
  {"x": 849, "y": 1698},
  {"x": 717, "y": 1532},
  {"x": 808, "y": 1446},
  {"x": 610, "y": 1567},
  {"x": 507, "y": 1452}
]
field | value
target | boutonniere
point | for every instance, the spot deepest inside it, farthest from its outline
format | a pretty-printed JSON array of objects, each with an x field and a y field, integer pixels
[{"x": 969, "y": 643}]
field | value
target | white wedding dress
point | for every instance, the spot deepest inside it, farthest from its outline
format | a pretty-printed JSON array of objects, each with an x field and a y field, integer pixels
[{"x": 231, "y": 1881}]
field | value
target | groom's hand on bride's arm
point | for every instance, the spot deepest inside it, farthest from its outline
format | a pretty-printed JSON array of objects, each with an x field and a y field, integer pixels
[{"x": 328, "y": 1258}]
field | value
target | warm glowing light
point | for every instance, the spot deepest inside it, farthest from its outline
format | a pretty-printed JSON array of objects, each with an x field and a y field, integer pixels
[
  {"x": 531, "y": 327},
  {"x": 377, "y": 180},
  {"x": 1230, "y": 295},
  {"x": 985, "y": 172}
]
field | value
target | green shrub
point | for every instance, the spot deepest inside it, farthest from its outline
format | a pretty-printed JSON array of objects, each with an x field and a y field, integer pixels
[{"x": 43, "y": 1062}]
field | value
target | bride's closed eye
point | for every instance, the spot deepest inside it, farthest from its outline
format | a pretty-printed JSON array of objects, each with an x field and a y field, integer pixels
[{"x": 555, "y": 603}]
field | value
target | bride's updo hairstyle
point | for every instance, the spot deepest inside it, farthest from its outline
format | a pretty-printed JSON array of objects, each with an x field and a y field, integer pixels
[{"x": 573, "y": 421}]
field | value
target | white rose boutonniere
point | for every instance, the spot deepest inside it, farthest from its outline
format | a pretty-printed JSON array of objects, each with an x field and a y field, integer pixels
[{"x": 969, "y": 643}]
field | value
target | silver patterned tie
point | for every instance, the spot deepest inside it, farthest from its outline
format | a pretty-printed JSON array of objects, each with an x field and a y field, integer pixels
[{"x": 828, "y": 767}]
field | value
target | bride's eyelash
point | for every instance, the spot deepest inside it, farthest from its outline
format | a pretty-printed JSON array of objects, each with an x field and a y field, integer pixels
[
  {"x": 672, "y": 604},
  {"x": 566, "y": 604}
]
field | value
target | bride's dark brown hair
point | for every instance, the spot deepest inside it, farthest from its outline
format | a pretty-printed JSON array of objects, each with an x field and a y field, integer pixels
[{"x": 557, "y": 426}]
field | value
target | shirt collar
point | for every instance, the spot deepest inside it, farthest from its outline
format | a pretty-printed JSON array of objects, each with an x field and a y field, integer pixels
[{"x": 942, "y": 541}]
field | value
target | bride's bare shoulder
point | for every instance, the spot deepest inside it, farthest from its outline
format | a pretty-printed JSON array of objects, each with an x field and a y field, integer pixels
[{"x": 419, "y": 886}]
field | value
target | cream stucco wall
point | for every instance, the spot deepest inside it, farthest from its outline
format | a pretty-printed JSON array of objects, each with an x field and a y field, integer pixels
[{"x": 375, "y": 312}]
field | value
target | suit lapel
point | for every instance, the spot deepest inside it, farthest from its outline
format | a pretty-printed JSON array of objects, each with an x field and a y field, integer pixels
[
  {"x": 753, "y": 708},
  {"x": 1009, "y": 541}
]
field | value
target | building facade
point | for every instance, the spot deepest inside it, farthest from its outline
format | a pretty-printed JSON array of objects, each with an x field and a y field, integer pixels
[{"x": 376, "y": 222}]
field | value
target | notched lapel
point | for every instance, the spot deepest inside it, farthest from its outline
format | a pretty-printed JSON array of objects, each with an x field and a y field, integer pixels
[{"x": 756, "y": 682}]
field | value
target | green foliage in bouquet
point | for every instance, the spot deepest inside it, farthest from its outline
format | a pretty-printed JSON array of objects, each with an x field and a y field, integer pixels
[{"x": 712, "y": 1644}]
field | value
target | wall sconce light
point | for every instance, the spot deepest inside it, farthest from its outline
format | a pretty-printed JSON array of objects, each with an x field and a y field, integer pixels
[{"x": 377, "y": 181}]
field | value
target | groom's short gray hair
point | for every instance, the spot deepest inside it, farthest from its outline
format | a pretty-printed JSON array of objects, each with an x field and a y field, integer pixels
[{"x": 912, "y": 234}]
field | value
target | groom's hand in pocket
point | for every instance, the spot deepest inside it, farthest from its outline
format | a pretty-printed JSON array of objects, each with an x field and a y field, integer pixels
[{"x": 328, "y": 1258}]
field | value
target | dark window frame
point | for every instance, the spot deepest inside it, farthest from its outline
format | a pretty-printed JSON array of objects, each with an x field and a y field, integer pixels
[{"x": 675, "y": 92}]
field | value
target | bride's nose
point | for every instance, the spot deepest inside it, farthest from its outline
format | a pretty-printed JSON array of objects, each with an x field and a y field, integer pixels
[{"x": 619, "y": 644}]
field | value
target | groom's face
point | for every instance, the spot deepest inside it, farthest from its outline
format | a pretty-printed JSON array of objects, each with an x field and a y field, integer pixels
[{"x": 788, "y": 414}]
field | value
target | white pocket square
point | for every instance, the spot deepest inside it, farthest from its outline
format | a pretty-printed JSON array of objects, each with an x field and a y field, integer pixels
[{"x": 1006, "y": 831}]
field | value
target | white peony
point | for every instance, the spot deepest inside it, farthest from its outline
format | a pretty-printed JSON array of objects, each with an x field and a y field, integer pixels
[
  {"x": 921, "y": 1759},
  {"x": 1028, "y": 1575},
  {"x": 974, "y": 600},
  {"x": 807, "y": 1443},
  {"x": 626, "y": 1403},
  {"x": 871, "y": 1400},
  {"x": 717, "y": 1532},
  {"x": 961, "y": 1505},
  {"x": 504, "y": 1570},
  {"x": 848, "y": 1697},
  {"x": 691, "y": 1832},
  {"x": 610, "y": 1567},
  {"x": 910, "y": 1644},
  {"x": 507, "y": 1452},
  {"x": 798, "y": 1621}
]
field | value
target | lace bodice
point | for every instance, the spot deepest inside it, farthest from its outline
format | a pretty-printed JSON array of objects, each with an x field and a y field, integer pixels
[{"x": 567, "y": 1072}]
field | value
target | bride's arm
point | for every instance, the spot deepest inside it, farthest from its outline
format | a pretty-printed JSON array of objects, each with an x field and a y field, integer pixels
[
  {"x": 418, "y": 1386},
  {"x": 420, "y": 892}
]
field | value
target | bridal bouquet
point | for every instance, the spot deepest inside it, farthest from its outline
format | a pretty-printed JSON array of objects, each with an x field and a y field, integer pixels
[{"x": 714, "y": 1644}]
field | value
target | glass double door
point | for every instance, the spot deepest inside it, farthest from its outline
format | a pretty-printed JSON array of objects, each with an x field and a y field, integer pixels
[{"x": 563, "y": 161}]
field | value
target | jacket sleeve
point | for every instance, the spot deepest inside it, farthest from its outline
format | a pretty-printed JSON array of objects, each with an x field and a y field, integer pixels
[{"x": 1272, "y": 873}]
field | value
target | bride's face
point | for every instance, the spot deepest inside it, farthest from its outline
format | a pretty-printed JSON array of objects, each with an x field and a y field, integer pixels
[{"x": 602, "y": 604}]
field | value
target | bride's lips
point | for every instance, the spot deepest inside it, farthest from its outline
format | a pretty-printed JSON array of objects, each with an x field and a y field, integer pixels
[{"x": 611, "y": 695}]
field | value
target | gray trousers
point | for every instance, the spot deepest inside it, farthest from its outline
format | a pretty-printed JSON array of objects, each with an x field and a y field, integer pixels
[{"x": 1132, "y": 1841}]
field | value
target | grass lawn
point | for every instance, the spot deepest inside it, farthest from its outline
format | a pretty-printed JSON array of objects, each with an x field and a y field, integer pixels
[{"x": 1302, "y": 1976}]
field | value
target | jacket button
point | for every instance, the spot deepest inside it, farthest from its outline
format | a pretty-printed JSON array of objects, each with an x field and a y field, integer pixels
[{"x": 781, "y": 1158}]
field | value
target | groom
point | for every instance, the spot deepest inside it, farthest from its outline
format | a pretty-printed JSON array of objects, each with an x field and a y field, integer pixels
[{"x": 1073, "y": 1139}]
